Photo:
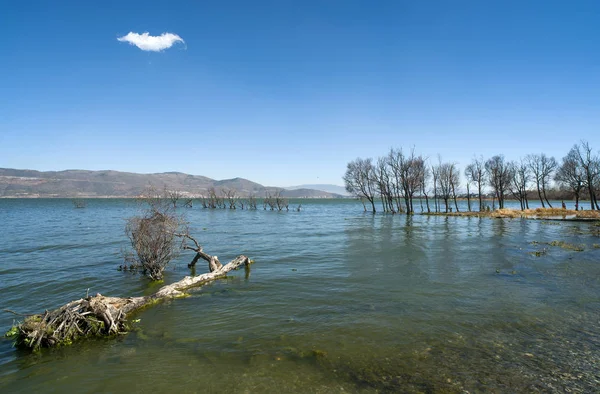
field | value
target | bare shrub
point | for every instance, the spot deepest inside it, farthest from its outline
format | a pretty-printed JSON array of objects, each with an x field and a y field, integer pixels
[{"x": 153, "y": 236}]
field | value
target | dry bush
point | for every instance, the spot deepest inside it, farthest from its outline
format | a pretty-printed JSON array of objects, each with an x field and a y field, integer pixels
[{"x": 153, "y": 235}]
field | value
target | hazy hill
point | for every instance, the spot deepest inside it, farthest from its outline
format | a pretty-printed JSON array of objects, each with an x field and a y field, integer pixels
[
  {"x": 324, "y": 187},
  {"x": 82, "y": 183}
]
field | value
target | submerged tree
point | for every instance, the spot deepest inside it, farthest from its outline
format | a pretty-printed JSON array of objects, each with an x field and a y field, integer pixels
[
  {"x": 571, "y": 176},
  {"x": 499, "y": 175},
  {"x": 153, "y": 235},
  {"x": 360, "y": 180},
  {"x": 475, "y": 173},
  {"x": 519, "y": 176},
  {"x": 590, "y": 164},
  {"x": 542, "y": 168}
]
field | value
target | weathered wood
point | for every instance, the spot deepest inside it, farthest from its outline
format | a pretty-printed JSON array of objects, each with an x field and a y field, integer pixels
[{"x": 105, "y": 316}]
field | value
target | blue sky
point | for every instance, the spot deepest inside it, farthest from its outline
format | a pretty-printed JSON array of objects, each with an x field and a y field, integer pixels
[{"x": 287, "y": 92}]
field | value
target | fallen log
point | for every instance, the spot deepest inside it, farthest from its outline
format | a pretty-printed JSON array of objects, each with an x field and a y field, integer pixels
[{"x": 104, "y": 316}]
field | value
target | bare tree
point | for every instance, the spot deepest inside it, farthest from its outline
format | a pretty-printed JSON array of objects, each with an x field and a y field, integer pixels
[
  {"x": 252, "y": 201},
  {"x": 425, "y": 175},
  {"x": 570, "y": 175},
  {"x": 542, "y": 168},
  {"x": 519, "y": 176},
  {"x": 591, "y": 167},
  {"x": 396, "y": 162},
  {"x": 152, "y": 235},
  {"x": 360, "y": 180},
  {"x": 384, "y": 184},
  {"x": 79, "y": 203},
  {"x": 444, "y": 171},
  {"x": 435, "y": 175},
  {"x": 174, "y": 196},
  {"x": 232, "y": 198},
  {"x": 454, "y": 182},
  {"x": 475, "y": 173},
  {"x": 280, "y": 201},
  {"x": 469, "y": 180},
  {"x": 498, "y": 175}
]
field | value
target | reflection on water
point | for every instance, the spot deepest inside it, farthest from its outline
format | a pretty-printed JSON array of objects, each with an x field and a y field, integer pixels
[{"x": 338, "y": 300}]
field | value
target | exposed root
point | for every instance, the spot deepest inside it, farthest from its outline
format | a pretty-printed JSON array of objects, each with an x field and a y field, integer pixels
[{"x": 87, "y": 317}]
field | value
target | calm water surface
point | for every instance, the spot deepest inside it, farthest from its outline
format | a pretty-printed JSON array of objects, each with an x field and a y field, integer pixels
[{"x": 337, "y": 300}]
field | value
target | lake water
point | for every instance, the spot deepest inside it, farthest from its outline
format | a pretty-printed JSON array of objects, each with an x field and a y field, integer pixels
[{"x": 337, "y": 301}]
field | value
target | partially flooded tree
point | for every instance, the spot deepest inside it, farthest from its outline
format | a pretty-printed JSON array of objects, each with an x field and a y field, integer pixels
[
  {"x": 252, "y": 201},
  {"x": 174, "y": 196},
  {"x": 384, "y": 185},
  {"x": 591, "y": 167},
  {"x": 498, "y": 175},
  {"x": 232, "y": 198},
  {"x": 425, "y": 175},
  {"x": 542, "y": 167},
  {"x": 445, "y": 174},
  {"x": 152, "y": 236},
  {"x": 519, "y": 176},
  {"x": 360, "y": 180},
  {"x": 280, "y": 201},
  {"x": 435, "y": 175},
  {"x": 571, "y": 176},
  {"x": 454, "y": 182},
  {"x": 475, "y": 173}
]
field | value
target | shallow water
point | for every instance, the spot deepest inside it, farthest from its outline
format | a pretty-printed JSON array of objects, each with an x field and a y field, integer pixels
[{"x": 338, "y": 300}]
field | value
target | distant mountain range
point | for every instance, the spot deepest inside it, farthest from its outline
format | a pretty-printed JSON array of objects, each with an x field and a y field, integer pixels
[
  {"x": 82, "y": 183},
  {"x": 335, "y": 189}
]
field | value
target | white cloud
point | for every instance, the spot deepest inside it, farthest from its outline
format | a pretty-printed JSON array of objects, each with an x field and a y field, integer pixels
[{"x": 146, "y": 42}]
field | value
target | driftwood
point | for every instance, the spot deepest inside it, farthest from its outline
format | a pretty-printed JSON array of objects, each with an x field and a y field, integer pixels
[
  {"x": 107, "y": 316},
  {"x": 213, "y": 261}
]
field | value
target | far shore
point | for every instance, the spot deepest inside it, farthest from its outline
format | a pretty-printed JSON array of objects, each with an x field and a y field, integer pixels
[{"x": 537, "y": 213}]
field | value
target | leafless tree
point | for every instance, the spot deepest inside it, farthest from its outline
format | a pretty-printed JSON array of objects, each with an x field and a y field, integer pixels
[
  {"x": 425, "y": 175},
  {"x": 384, "y": 184},
  {"x": 232, "y": 197},
  {"x": 251, "y": 201},
  {"x": 212, "y": 199},
  {"x": 435, "y": 175},
  {"x": 475, "y": 173},
  {"x": 280, "y": 201},
  {"x": 396, "y": 161},
  {"x": 454, "y": 182},
  {"x": 445, "y": 174},
  {"x": 360, "y": 180},
  {"x": 519, "y": 176},
  {"x": 498, "y": 175},
  {"x": 571, "y": 176},
  {"x": 411, "y": 175},
  {"x": 591, "y": 167},
  {"x": 174, "y": 196},
  {"x": 407, "y": 172},
  {"x": 79, "y": 203},
  {"x": 542, "y": 168},
  {"x": 152, "y": 235}
]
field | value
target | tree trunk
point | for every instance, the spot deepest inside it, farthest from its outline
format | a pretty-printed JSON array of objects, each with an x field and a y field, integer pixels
[
  {"x": 545, "y": 198},
  {"x": 468, "y": 198},
  {"x": 104, "y": 316},
  {"x": 540, "y": 195}
]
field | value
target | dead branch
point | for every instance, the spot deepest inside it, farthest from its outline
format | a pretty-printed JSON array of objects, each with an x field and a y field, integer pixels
[{"x": 100, "y": 315}]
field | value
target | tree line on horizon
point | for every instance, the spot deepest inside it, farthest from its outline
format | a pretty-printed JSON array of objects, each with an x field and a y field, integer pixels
[
  {"x": 229, "y": 198},
  {"x": 397, "y": 178}
]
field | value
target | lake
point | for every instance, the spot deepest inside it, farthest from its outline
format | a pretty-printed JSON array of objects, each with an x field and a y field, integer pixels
[{"x": 338, "y": 300}]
